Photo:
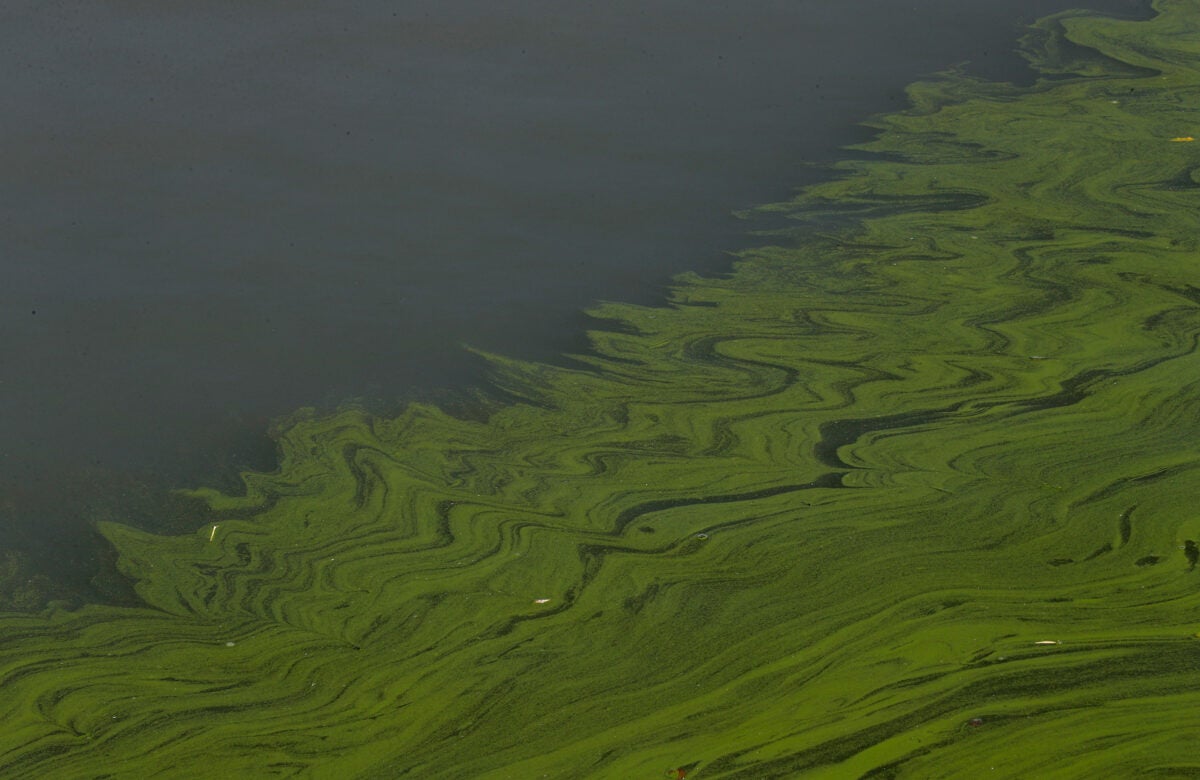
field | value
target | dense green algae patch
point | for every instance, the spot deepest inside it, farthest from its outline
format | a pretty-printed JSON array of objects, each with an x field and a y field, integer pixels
[{"x": 916, "y": 498}]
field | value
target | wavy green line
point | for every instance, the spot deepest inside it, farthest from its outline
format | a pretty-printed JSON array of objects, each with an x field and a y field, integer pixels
[{"x": 914, "y": 497}]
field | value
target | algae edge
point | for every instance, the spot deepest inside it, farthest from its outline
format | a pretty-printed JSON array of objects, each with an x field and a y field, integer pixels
[{"x": 912, "y": 499}]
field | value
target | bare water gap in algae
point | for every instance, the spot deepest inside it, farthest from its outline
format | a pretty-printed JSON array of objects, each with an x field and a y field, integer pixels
[{"x": 911, "y": 497}]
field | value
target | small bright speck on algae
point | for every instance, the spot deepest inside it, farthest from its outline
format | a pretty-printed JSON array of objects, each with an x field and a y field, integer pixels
[{"x": 916, "y": 498}]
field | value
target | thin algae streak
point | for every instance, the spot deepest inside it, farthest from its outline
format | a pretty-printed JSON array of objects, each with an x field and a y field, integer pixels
[{"x": 912, "y": 499}]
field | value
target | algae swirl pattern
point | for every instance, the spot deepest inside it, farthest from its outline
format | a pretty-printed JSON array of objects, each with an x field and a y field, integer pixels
[{"x": 911, "y": 497}]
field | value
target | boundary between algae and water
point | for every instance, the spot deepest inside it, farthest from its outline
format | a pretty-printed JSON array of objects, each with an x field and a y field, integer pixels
[{"x": 909, "y": 498}]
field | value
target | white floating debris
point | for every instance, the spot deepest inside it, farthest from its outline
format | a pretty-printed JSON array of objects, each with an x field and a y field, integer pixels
[
  {"x": 1048, "y": 642},
  {"x": 541, "y": 601}
]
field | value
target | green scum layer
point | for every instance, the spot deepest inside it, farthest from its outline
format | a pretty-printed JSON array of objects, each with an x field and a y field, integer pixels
[{"x": 917, "y": 498}]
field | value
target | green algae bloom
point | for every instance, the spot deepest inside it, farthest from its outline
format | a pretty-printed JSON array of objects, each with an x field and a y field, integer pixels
[{"x": 914, "y": 496}]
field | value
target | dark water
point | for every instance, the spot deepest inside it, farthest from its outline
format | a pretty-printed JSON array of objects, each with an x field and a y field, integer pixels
[{"x": 215, "y": 214}]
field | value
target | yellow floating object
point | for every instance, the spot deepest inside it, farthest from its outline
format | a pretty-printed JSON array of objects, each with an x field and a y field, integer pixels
[{"x": 1183, "y": 139}]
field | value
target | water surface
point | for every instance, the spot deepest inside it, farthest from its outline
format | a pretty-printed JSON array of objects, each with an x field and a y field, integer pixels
[{"x": 910, "y": 495}]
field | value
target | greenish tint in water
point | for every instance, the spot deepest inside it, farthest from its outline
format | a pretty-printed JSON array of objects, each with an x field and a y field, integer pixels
[{"x": 917, "y": 499}]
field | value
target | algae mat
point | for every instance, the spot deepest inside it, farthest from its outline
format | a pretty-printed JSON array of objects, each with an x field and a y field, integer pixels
[{"x": 915, "y": 497}]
